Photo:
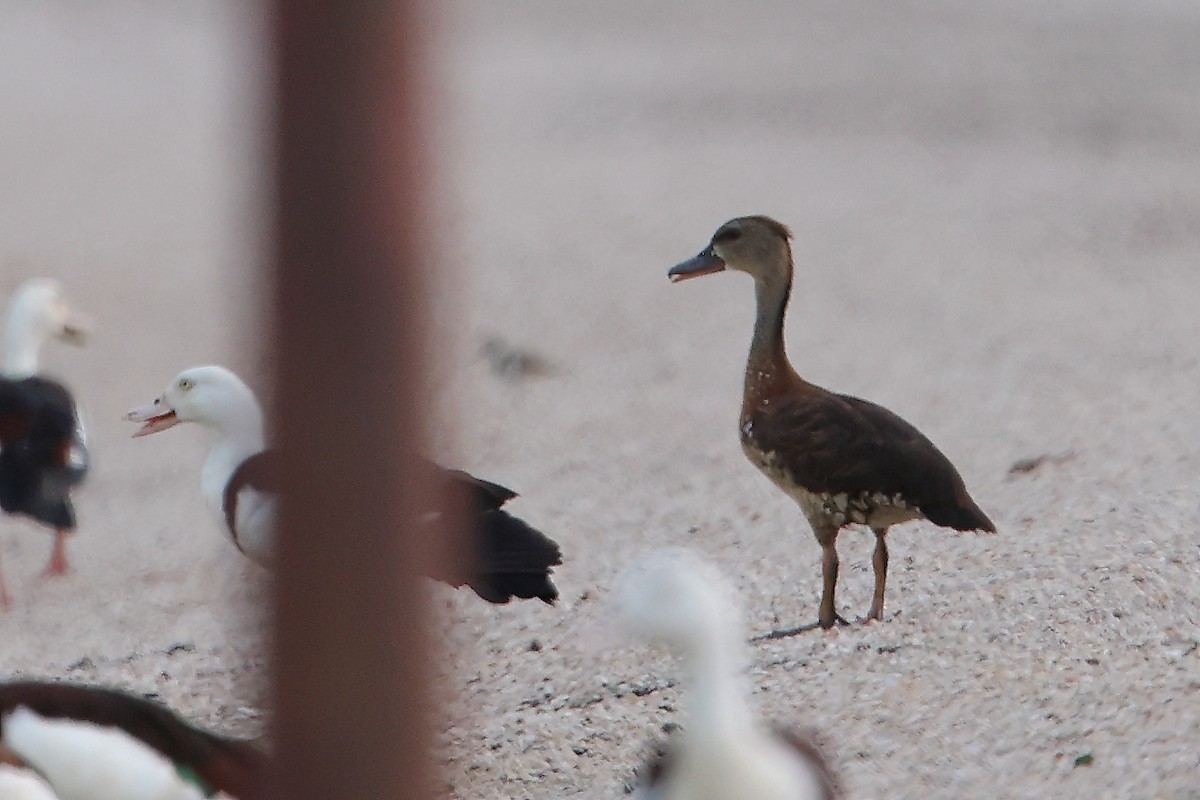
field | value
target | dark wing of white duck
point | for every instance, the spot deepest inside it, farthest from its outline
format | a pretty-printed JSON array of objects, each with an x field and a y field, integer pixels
[
  {"x": 509, "y": 558},
  {"x": 40, "y": 458},
  {"x": 234, "y": 766},
  {"x": 262, "y": 473}
]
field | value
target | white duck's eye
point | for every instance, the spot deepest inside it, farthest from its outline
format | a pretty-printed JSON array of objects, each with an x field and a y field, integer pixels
[{"x": 185, "y": 384}]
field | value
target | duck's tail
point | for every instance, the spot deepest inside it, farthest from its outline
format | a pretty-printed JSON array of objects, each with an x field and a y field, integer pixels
[
  {"x": 507, "y": 556},
  {"x": 514, "y": 559}
]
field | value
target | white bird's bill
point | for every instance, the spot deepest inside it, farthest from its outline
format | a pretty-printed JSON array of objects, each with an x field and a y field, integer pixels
[{"x": 157, "y": 416}]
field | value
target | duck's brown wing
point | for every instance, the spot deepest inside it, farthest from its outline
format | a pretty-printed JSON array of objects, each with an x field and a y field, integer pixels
[
  {"x": 832, "y": 443},
  {"x": 234, "y": 766}
]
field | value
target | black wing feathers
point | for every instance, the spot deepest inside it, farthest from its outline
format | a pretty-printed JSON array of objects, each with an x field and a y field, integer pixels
[{"x": 509, "y": 557}]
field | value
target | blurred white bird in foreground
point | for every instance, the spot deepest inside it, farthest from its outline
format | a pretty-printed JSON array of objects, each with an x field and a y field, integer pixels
[
  {"x": 82, "y": 761},
  {"x": 723, "y": 752}
]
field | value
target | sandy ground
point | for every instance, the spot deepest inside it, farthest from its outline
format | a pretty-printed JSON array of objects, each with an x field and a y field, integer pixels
[{"x": 997, "y": 226}]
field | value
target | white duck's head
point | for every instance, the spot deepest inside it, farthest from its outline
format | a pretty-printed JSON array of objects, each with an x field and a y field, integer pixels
[
  {"x": 38, "y": 313},
  {"x": 676, "y": 598},
  {"x": 210, "y": 395}
]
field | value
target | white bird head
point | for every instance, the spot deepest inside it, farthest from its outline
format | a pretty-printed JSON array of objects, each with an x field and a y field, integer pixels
[
  {"x": 38, "y": 313},
  {"x": 677, "y": 598},
  {"x": 212, "y": 396}
]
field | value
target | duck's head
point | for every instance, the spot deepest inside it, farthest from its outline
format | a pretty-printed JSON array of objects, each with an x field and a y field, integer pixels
[
  {"x": 39, "y": 310},
  {"x": 676, "y": 598},
  {"x": 754, "y": 245},
  {"x": 209, "y": 395}
]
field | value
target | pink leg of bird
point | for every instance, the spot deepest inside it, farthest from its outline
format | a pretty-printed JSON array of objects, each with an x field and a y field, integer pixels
[{"x": 58, "y": 556}]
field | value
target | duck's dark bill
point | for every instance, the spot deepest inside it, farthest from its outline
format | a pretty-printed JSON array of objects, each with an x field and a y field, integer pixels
[{"x": 704, "y": 264}]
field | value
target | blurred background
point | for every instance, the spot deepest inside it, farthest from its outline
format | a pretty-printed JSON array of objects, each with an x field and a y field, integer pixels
[{"x": 997, "y": 235}]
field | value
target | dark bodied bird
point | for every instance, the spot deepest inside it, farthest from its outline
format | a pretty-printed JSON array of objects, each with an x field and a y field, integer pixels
[
  {"x": 42, "y": 449},
  {"x": 723, "y": 752},
  {"x": 37, "y": 443},
  {"x": 842, "y": 459},
  {"x": 240, "y": 480}
]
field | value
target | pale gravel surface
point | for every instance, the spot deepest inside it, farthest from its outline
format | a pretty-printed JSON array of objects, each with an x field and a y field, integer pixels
[{"x": 997, "y": 227}]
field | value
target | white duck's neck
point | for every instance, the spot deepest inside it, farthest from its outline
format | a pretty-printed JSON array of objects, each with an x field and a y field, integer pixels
[
  {"x": 717, "y": 705},
  {"x": 233, "y": 439},
  {"x": 22, "y": 346}
]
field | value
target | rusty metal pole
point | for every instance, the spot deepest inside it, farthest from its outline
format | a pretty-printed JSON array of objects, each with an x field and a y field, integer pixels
[{"x": 351, "y": 652}]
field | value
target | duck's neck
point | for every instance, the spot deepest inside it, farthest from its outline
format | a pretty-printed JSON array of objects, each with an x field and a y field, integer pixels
[
  {"x": 21, "y": 348},
  {"x": 768, "y": 360},
  {"x": 717, "y": 705},
  {"x": 231, "y": 441}
]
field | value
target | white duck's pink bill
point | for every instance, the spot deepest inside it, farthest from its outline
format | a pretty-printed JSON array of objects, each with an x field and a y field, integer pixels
[{"x": 157, "y": 416}]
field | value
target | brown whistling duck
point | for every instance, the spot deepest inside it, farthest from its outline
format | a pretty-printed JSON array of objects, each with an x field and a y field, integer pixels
[
  {"x": 842, "y": 459},
  {"x": 240, "y": 480},
  {"x": 723, "y": 752},
  {"x": 72, "y": 734}
]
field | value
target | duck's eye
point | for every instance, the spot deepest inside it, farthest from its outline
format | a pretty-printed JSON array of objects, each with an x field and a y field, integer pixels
[
  {"x": 185, "y": 384},
  {"x": 727, "y": 235}
]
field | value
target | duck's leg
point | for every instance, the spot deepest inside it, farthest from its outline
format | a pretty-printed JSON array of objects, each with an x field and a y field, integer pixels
[
  {"x": 827, "y": 537},
  {"x": 58, "y": 556},
  {"x": 880, "y": 560}
]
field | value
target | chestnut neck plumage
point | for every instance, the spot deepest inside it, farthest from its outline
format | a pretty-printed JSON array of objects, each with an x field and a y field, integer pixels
[{"x": 768, "y": 362}]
